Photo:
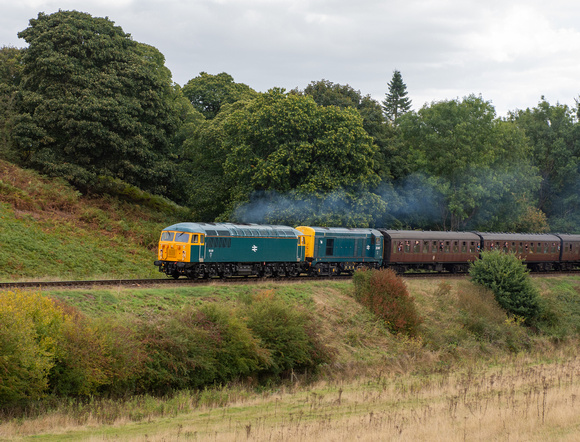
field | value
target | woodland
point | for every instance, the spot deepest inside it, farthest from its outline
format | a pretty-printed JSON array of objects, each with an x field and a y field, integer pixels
[{"x": 86, "y": 103}]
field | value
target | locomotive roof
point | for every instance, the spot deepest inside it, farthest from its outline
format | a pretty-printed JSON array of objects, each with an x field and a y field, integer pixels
[
  {"x": 533, "y": 237},
  {"x": 231, "y": 229},
  {"x": 344, "y": 230},
  {"x": 402, "y": 235}
]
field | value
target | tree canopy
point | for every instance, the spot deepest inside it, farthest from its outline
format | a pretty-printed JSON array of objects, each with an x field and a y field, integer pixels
[
  {"x": 87, "y": 103},
  {"x": 94, "y": 102},
  {"x": 477, "y": 163},
  {"x": 208, "y": 93}
]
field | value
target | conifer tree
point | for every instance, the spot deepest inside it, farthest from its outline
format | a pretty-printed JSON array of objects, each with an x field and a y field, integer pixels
[{"x": 396, "y": 102}]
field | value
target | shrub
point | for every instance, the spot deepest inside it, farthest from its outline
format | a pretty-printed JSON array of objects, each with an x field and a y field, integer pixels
[
  {"x": 385, "y": 294},
  {"x": 94, "y": 355},
  {"x": 509, "y": 281},
  {"x": 196, "y": 348},
  {"x": 288, "y": 332},
  {"x": 30, "y": 329}
]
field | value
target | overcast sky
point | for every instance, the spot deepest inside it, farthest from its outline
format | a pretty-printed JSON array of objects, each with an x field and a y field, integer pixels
[{"x": 509, "y": 52}]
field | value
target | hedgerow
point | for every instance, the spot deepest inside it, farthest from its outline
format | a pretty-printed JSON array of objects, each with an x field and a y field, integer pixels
[{"x": 50, "y": 348}]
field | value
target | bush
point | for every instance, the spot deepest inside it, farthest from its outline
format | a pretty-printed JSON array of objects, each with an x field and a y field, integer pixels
[
  {"x": 94, "y": 356},
  {"x": 508, "y": 279},
  {"x": 385, "y": 294},
  {"x": 30, "y": 328},
  {"x": 198, "y": 347},
  {"x": 287, "y": 332}
]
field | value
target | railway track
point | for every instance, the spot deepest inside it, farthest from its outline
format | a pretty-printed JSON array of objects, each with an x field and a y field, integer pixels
[{"x": 234, "y": 280}]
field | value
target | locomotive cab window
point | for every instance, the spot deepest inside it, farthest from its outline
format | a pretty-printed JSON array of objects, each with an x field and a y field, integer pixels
[
  {"x": 182, "y": 237},
  {"x": 195, "y": 239},
  {"x": 167, "y": 236}
]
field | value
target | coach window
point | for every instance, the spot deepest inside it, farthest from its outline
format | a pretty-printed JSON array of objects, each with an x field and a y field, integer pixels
[
  {"x": 407, "y": 247},
  {"x": 399, "y": 247},
  {"x": 455, "y": 246},
  {"x": 447, "y": 247},
  {"x": 417, "y": 247},
  {"x": 425, "y": 246},
  {"x": 471, "y": 247},
  {"x": 464, "y": 247},
  {"x": 553, "y": 247},
  {"x": 505, "y": 246},
  {"x": 434, "y": 247}
]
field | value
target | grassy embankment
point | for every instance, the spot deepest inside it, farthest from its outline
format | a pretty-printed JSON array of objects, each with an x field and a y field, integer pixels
[
  {"x": 471, "y": 373},
  {"x": 49, "y": 231}
]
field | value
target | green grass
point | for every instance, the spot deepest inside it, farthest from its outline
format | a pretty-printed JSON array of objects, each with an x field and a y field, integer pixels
[{"x": 49, "y": 231}]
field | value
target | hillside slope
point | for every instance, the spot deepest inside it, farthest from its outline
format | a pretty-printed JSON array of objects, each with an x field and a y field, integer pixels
[{"x": 49, "y": 230}]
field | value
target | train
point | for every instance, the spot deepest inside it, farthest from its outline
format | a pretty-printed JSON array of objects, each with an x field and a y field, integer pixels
[{"x": 222, "y": 250}]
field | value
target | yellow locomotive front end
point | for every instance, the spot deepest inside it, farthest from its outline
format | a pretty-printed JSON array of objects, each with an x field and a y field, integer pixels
[{"x": 179, "y": 246}]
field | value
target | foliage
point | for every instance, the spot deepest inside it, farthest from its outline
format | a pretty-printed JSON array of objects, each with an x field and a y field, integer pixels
[
  {"x": 43, "y": 221},
  {"x": 554, "y": 136},
  {"x": 386, "y": 295},
  {"x": 477, "y": 163},
  {"x": 482, "y": 316},
  {"x": 288, "y": 333},
  {"x": 10, "y": 76},
  {"x": 30, "y": 331},
  {"x": 209, "y": 93},
  {"x": 396, "y": 102},
  {"x": 286, "y": 143},
  {"x": 95, "y": 102},
  {"x": 507, "y": 277},
  {"x": 94, "y": 355}
]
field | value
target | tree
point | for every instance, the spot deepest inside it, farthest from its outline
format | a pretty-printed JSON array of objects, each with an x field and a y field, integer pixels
[
  {"x": 508, "y": 278},
  {"x": 326, "y": 93},
  {"x": 208, "y": 93},
  {"x": 284, "y": 147},
  {"x": 477, "y": 163},
  {"x": 10, "y": 76},
  {"x": 94, "y": 102},
  {"x": 554, "y": 136},
  {"x": 396, "y": 102}
]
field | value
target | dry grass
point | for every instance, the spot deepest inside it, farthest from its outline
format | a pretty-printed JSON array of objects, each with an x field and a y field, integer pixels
[{"x": 519, "y": 401}]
